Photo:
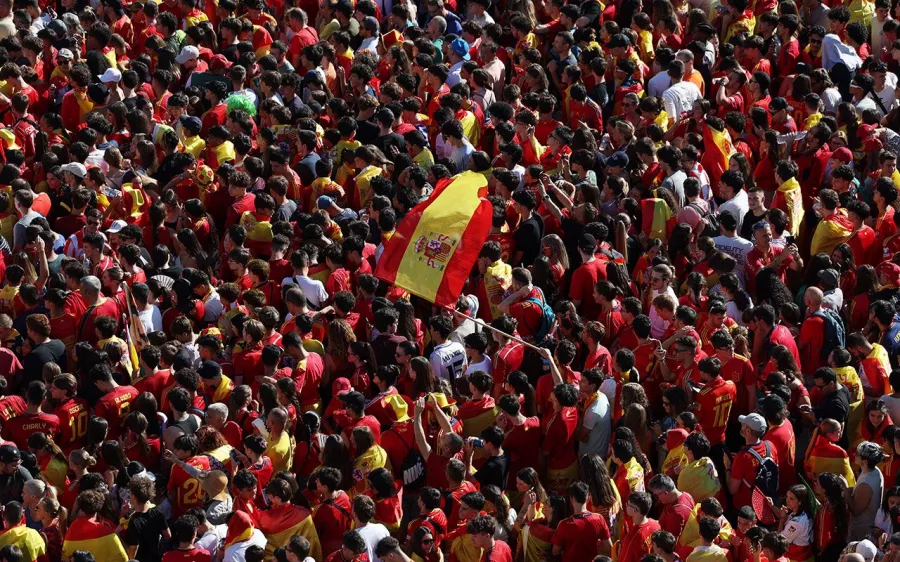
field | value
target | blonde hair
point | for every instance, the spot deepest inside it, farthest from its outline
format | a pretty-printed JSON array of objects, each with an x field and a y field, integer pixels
[{"x": 81, "y": 458}]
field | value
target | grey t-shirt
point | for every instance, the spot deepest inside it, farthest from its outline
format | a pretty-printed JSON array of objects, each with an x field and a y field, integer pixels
[
  {"x": 597, "y": 421},
  {"x": 19, "y": 228}
]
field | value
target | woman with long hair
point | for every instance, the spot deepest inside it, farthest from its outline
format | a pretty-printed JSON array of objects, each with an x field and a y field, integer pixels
[
  {"x": 408, "y": 325},
  {"x": 497, "y": 506},
  {"x": 384, "y": 491},
  {"x": 739, "y": 163},
  {"x": 362, "y": 357},
  {"x": 891, "y": 500},
  {"x": 288, "y": 398},
  {"x": 239, "y": 408},
  {"x": 138, "y": 445},
  {"x": 795, "y": 521},
  {"x": 309, "y": 445},
  {"x": 737, "y": 301},
  {"x": 528, "y": 482},
  {"x": 832, "y": 523},
  {"x": 422, "y": 547},
  {"x": 50, "y": 458},
  {"x": 517, "y": 384},
  {"x": 679, "y": 249},
  {"x": 843, "y": 261},
  {"x": 858, "y": 312},
  {"x": 423, "y": 378},
  {"x": 53, "y": 518},
  {"x": 337, "y": 362},
  {"x": 369, "y": 456},
  {"x": 537, "y": 542},
  {"x": 80, "y": 463},
  {"x": 553, "y": 247},
  {"x": 694, "y": 292},
  {"x": 335, "y": 454},
  {"x": 191, "y": 253},
  {"x": 873, "y": 425},
  {"x": 604, "y": 498}
]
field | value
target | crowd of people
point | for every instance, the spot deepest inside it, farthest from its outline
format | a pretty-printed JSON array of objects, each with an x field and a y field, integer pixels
[{"x": 679, "y": 342}]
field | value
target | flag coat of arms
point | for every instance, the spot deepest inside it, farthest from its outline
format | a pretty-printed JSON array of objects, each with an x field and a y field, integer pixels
[{"x": 435, "y": 246}]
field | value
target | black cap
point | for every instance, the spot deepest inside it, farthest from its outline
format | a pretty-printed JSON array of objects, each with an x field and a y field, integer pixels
[
  {"x": 770, "y": 405},
  {"x": 9, "y": 453},
  {"x": 778, "y": 104},
  {"x": 619, "y": 40},
  {"x": 587, "y": 243},
  {"x": 210, "y": 370},
  {"x": 354, "y": 400}
]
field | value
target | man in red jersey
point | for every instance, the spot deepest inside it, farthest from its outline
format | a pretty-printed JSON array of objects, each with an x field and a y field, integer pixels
[
  {"x": 33, "y": 419},
  {"x": 598, "y": 357},
  {"x": 447, "y": 443},
  {"x": 713, "y": 404},
  {"x": 184, "y": 489},
  {"x": 97, "y": 306},
  {"x": 781, "y": 434},
  {"x": 737, "y": 369},
  {"x": 765, "y": 324},
  {"x": 742, "y": 471},
  {"x": 522, "y": 442},
  {"x": 482, "y": 529},
  {"x": 607, "y": 296},
  {"x": 591, "y": 270},
  {"x": 355, "y": 415},
  {"x": 153, "y": 379},
  {"x": 11, "y": 405},
  {"x": 563, "y": 356},
  {"x": 579, "y": 536},
  {"x": 332, "y": 518},
  {"x": 185, "y": 532},
  {"x": 636, "y": 542},
  {"x": 430, "y": 515},
  {"x": 676, "y": 505},
  {"x": 510, "y": 353},
  {"x": 115, "y": 403},
  {"x": 73, "y": 412}
]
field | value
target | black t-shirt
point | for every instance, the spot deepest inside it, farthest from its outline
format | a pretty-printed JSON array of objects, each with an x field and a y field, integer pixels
[
  {"x": 367, "y": 131},
  {"x": 528, "y": 238},
  {"x": 384, "y": 142},
  {"x": 52, "y": 351},
  {"x": 591, "y": 10},
  {"x": 494, "y": 471},
  {"x": 145, "y": 530},
  {"x": 750, "y": 221},
  {"x": 836, "y": 406}
]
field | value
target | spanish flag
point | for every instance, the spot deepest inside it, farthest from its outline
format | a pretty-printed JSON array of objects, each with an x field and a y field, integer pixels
[
  {"x": 434, "y": 248},
  {"x": 281, "y": 523},
  {"x": 789, "y": 199},
  {"x": 834, "y": 229},
  {"x": 824, "y": 456},
  {"x": 28, "y": 540},
  {"x": 97, "y": 536},
  {"x": 240, "y": 528},
  {"x": 655, "y": 216},
  {"x": 717, "y": 151},
  {"x": 537, "y": 541},
  {"x": 477, "y": 415}
]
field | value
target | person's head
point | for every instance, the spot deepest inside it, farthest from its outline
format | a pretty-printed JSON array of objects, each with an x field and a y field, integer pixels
[
  {"x": 482, "y": 528},
  {"x": 638, "y": 505}
]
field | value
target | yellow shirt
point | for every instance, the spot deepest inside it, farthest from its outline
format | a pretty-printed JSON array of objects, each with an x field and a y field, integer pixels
[{"x": 281, "y": 452}]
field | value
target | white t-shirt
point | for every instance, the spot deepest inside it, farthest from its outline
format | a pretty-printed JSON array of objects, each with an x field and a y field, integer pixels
[
  {"x": 313, "y": 289},
  {"x": 372, "y": 533},
  {"x": 888, "y": 95},
  {"x": 736, "y": 247},
  {"x": 659, "y": 84},
  {"x": 485, "y": 365},
  {"x": 658, "y": 326},
  {"x": 738, "y": 206},
  {"x": 893, "y": 405},
  {"x": 213, "y": 538},
  {"x": 447, "y": 358},
  {"x": 237, "y": 551},
  {"x": 212, "y": 307},
  {"x": 597, "y": 422},
  {"x": 679, "y": 98},
  {"x": 151, "y": 319}
]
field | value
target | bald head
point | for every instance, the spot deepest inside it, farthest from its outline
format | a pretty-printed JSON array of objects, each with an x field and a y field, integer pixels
[{"x": 814, "y": 297}]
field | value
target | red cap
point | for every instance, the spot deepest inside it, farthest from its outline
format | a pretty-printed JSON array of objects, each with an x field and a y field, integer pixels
[
  {"x": 219, "y": 62},
  {"x": 843, "y": 154}
]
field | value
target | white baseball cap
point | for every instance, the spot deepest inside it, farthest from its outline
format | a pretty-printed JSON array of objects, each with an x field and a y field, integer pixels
[
  {"x": 116, "y": 226},
  {"x": 78, "y": 170},
  {"x": 189, "y": 52},
  {"x": 111, "y": 75}
]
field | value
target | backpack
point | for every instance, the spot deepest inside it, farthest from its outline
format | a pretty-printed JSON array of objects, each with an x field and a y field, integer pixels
[
  {"x": 547, "y": 317},
  {"x": 834, "y": 331},
  {"x": 710, "y": 221},
  {"x": 413, "y": 466},
  {"x": 767, "y": 474}
]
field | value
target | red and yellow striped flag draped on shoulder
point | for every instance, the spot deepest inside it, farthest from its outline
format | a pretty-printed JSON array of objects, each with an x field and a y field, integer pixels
[
  {"x": 97, "y": 536},
  {"x": 281, "y": 523},
  {"x": 717, "y": 151},
  {"x": 824, "y": 456},
  {"x": 434, "y": 248}
]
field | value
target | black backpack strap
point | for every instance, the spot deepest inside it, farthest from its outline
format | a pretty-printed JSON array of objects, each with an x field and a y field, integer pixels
[
  {"x": 437, "y": 526},
  {"x": 346, "y": 513}
]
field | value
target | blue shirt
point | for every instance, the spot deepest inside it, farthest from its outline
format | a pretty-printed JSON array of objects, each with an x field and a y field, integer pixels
[{"x": 891, "y": 341}]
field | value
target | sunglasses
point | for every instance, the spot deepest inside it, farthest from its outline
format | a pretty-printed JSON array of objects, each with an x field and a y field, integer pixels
[{"x": 427, "y": 541}]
